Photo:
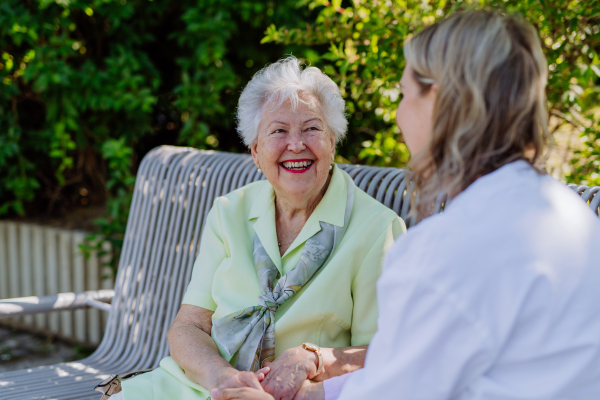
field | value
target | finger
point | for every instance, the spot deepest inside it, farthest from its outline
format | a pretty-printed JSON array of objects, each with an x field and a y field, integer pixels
[
  {"x": 252, "y": 381},
  {"x": 267, "y": 383},
  {"x": 286, "y": 389},
  {"x": 262, "y": 373},
  {"x": 215, "y": 394},
  {"x": 287, "y": 393},
  {"x": 267, "y": 363}
]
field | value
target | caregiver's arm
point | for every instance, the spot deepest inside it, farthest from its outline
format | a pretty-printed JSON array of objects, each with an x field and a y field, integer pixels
[
  {"x": 302, "y": 364},
  {"x": 196, "y": 353},
  {"x": 427, "y": 344},
  {"x": 340, "y": 360}
]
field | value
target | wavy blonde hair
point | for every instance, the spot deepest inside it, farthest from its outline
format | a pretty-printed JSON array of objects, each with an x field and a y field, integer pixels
[{"x": 490, "y": 107}]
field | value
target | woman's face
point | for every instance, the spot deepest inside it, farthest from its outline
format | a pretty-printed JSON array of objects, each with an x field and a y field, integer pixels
[
  {"x": 294, "y": 148},
  {"x": 414, "y": 116}
]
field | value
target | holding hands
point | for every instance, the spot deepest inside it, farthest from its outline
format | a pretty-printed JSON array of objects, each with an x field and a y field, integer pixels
[
  {"x": 289, "y": 372},
  {"x": 308, "y": 391},
  {"x": 286, "y": 378},
  {"x": 233, "y": 379}
]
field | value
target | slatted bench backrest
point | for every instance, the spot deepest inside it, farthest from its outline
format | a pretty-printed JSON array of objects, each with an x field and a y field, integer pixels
[{"x": 174, "y": 191}]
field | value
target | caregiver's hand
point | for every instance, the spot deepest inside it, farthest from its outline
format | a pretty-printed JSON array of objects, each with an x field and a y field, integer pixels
[
  {"x": 241, "y": 379},
  {"x": 289, "y": 371}
]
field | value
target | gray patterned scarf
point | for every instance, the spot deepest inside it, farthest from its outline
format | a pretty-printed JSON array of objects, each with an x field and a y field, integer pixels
[{"x": 252, "y": 330}]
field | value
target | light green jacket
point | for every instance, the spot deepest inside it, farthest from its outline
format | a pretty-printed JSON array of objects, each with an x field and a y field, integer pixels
[{"x": 337, "y": 308}]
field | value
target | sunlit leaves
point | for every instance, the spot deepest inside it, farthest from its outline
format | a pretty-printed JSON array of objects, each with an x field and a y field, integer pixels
[
  {"x": 365, "y": 58},
  {"x": 84, "y": 86},
  {"x": 91, "y": 70}
]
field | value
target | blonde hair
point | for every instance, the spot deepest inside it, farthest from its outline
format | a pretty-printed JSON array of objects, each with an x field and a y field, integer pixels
[{"x": 490, "y": 107}]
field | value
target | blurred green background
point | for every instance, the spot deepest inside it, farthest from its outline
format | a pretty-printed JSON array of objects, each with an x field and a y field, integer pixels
[{"x": 89, "y": 87}]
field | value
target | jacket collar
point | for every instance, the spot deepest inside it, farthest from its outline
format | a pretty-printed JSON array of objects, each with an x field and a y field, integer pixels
[{"x": 330, "y": 209}]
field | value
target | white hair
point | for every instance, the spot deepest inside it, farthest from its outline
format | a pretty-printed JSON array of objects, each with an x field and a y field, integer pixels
[{"x": 287, "y": 80}]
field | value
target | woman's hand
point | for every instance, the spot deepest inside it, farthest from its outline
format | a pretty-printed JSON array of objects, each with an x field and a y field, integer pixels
[
  {"x": 245, "y": 393},
  {"x": 289, "y": 371},
  {"x": 241, "y": 379},
  {"x": 311, "y": 391}
]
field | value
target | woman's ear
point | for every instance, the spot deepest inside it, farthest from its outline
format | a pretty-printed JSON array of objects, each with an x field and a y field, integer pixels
[
  {"x": 254, "y": 152},
  {"x": 434, "y": 89}
]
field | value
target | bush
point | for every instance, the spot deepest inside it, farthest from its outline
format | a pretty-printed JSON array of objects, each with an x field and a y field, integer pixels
[
  {"x": 89, "y": 87},
  {"x": 364, "y": 57}
]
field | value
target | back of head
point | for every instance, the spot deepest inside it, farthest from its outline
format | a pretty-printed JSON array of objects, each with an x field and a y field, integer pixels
[{"x": 490, "y": 106}]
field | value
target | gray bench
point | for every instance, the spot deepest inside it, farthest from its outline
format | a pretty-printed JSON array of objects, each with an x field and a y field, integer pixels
[{"x": 174, "y": 191}]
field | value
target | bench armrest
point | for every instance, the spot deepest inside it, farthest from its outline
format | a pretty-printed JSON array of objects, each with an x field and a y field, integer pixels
[{"x": 58, "y": 302}]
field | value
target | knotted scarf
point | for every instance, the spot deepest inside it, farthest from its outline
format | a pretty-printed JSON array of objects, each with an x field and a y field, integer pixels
[{"x": 252, "y": 330}]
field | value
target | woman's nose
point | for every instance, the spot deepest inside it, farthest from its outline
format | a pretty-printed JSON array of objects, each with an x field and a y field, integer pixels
[{"x": 296, "y": 142}]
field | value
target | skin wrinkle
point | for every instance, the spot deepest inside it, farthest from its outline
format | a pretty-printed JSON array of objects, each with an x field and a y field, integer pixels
[{"x": 288, "y": 133}]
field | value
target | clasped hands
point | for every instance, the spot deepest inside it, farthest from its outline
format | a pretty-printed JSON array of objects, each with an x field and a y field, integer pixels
[{"x": 286, "y": 378}]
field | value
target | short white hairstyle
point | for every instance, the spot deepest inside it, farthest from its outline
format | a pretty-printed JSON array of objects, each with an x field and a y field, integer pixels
[{"x": 287, "y": 80}]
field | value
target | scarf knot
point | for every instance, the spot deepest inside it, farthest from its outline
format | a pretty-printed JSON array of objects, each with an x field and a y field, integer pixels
[{"x": 268, "y": 301}]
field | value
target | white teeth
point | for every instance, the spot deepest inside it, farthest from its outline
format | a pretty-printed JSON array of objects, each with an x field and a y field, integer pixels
[{"x": 297, "y": 165}]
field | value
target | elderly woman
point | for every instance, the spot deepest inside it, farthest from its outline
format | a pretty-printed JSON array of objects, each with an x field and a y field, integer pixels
[
  {"x": 499, "y": 296},
  {"x": 287, "y": 267}
]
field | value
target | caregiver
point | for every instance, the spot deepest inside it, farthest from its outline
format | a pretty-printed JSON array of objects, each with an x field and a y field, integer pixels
[{"x": 498, "y": 297}]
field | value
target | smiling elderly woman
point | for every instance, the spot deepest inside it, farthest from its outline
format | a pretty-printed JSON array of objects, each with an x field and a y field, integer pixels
[{"x": 283, "y": 262}]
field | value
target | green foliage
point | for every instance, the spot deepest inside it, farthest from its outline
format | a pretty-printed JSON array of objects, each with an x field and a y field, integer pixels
[
  {"x": 586, "y": 162},
  {"x": 121, "y": 183},
  {"x": 365, "y": 58},
  {"x": 87, "y": 88}
]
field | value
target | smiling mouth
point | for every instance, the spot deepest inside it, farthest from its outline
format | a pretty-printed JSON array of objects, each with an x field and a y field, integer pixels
[{"x": 297, "y": 165}]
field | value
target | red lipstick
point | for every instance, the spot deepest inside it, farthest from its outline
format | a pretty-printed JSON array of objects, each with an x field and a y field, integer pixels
[{"x": 297, "y": 171}]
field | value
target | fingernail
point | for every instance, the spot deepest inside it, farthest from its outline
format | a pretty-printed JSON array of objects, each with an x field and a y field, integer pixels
[{"x": 214, "y": 393}]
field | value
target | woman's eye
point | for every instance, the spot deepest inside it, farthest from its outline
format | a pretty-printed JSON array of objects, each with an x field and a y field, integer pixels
[
  {"x": 401, "y": 95},
  {"x": 312, "y": 128},
  {"x": 279, "y": 130}
]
